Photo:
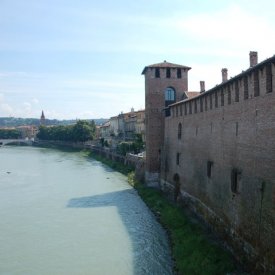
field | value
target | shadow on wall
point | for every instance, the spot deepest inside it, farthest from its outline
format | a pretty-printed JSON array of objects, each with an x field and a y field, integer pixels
[{"x": 151, "y": 253}]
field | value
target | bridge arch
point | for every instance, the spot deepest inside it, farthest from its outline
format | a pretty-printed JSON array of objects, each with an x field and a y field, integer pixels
[{"x": 4, "y": 142}]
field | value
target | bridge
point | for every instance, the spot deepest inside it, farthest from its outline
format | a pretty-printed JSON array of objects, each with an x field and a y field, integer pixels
[{"x": 15, "y": 141}]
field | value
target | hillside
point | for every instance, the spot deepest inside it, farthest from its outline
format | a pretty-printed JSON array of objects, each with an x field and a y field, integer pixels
[{"x": 14, "y": 122}]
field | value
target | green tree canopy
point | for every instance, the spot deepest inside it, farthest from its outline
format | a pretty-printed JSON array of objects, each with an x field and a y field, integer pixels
[
  {"x": 9, "y": 133},
  {"x": 81, "y": 131}
]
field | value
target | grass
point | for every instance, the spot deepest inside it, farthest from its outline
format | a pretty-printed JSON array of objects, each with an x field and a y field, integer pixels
[{"x": 192, "y": 250}]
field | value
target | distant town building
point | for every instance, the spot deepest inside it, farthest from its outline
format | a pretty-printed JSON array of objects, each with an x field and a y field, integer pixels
[
  {"x": 105, "y": 130},
  {"x": 125, "y": 126},
  {"x": 28, "y": 131}
]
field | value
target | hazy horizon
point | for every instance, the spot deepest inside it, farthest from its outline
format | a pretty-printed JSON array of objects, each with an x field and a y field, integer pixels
[{"x": 84, "y": 60}]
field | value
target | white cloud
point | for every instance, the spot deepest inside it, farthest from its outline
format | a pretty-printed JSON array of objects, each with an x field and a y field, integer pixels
[{"x": 232, "y": 29}]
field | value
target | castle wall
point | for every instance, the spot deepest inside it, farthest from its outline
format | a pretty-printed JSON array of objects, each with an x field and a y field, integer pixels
[{"x": 225, "y": 160}]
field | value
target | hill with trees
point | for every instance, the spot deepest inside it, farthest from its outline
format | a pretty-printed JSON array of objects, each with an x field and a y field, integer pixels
[{"x": 15, "y": 122}]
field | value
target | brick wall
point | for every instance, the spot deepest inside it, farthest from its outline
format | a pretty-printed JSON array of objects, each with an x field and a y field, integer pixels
[{"x": 225, "y": 160}]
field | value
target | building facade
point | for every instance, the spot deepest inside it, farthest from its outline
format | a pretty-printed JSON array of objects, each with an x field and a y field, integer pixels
[
  {"x": 125, "y": 126},
  {"x": 216, "y": 154}
]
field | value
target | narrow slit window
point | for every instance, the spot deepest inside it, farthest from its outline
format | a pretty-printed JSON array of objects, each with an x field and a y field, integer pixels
[
  {"x": 209, "y": 169},
  {"x": 235, "y": 180},
  {"x": 179, "y": 130},
  {"x": 178, "y": 159}
]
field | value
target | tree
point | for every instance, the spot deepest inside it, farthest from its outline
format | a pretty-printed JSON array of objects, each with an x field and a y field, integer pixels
[
  {"x": 81, "y": 131},
  {"x": 9, "y": 133}
]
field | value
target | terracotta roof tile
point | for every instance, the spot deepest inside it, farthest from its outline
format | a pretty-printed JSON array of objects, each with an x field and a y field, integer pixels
[{"x": 192, "y": 94}]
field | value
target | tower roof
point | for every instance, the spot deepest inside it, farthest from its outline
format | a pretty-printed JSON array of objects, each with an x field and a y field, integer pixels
[
  {"x": 165, "y": 64},
  {"x": 42, "y": 115}
]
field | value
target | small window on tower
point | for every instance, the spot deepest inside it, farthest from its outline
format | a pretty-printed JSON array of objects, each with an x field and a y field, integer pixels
[
  {"x": 168, "y": 72},
  {"x": 157, "y": 74},
  {"x": 178, "y": 73}
]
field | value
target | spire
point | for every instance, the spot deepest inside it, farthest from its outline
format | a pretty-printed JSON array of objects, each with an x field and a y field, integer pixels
[
  {"x": 42, "y": 118},
  {"x": 42, "y": 115}
]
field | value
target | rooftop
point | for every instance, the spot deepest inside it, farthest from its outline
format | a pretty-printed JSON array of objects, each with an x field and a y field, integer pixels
[{"x": 165, "y": 64}]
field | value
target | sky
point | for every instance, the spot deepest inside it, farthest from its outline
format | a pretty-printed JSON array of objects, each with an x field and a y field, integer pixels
[{"x": 83, "y": 59}]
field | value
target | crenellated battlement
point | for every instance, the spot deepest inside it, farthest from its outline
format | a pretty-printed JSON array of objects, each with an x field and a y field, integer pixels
[
  {"x": 257, "y": 81},
  {"x": 216, "y": 152}
]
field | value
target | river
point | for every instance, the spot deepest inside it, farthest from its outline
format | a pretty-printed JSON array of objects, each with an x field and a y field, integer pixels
[{"x": 65, "y": 213}]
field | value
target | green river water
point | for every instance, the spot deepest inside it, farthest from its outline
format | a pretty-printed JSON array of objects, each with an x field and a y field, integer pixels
[{"x": 64, "y": 213}]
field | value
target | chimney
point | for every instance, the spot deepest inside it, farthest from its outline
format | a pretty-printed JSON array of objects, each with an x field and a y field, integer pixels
[
  {"x": 253, "y": 57},
  {"x": 224, "y": 74},
  {"x": 202, "y": 84}
]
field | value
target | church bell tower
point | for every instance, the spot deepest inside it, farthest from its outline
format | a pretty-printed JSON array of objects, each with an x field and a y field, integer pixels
[{"x": 42, "y": 119}]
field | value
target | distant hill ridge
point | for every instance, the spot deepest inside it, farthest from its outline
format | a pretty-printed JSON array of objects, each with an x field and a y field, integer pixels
[{"x": 14, "y": 122}]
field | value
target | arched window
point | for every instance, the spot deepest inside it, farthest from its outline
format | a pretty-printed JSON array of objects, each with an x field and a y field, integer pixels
[
  {"x": 179, "y": 130},
  {"x": 170, "y": 95}
]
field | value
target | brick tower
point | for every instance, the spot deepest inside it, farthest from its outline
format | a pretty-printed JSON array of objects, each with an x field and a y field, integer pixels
[{"x": 165, "y": 83}]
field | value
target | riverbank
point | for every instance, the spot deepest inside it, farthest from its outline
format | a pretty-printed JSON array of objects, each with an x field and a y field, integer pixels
[{"x": 193, "y": 251}]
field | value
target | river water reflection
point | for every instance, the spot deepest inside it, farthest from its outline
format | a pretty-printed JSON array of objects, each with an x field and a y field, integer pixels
[{"x": 63, "y": 213}]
